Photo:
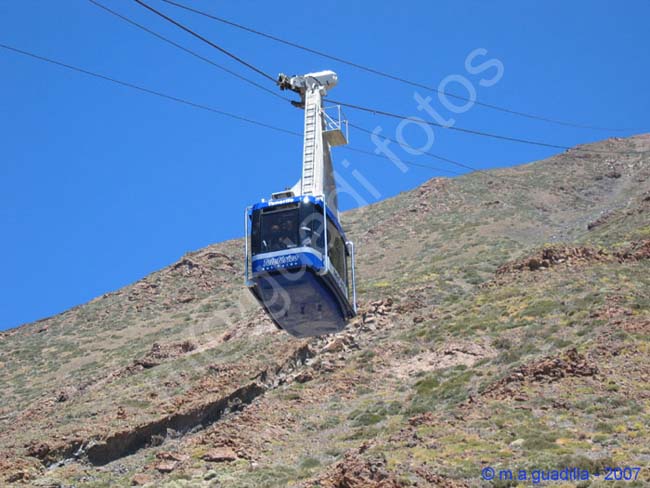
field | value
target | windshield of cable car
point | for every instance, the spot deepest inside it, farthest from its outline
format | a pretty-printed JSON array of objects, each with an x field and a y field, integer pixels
[{"x": 278, "y": 230}]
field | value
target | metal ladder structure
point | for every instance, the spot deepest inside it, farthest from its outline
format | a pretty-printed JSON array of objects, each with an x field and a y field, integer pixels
[
  {"x": 321, "y": 132},
  {"x": 311, "y": 136}
]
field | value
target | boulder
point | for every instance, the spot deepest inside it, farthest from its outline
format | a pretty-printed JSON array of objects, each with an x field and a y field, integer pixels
[{"x": 220, "y": 455}]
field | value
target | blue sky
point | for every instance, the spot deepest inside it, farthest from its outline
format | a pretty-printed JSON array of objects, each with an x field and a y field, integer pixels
[{"x": 101, "y": 185}]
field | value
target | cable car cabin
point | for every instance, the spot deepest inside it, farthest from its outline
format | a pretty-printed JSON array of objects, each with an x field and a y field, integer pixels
[{"x": 306, "y": 287}]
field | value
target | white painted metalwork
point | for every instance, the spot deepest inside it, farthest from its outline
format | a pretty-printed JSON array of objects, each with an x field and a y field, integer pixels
[
  {"x": 321, "y": 131},
  {"x": 350, "y": 245},
  {"x": 336, "y": 127},
  {"x": 247, "y": 256}
]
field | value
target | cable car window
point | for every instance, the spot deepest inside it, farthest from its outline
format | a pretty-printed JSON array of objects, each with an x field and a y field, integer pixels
[
  {"x": 311, "y": 227},
  {"x": 255, "y": 232},
  {"x": 279, "y": 230},
  {"x": 336, "y": 250}
]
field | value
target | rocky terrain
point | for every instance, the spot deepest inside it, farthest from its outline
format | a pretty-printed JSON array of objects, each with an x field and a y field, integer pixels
[{"x": 504, "y": 322}]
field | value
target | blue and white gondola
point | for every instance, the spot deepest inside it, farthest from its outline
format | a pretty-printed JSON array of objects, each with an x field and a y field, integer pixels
[{"x": 307, "y": 287}]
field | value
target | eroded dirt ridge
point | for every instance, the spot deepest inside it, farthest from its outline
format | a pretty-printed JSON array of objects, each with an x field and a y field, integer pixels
[{"x": 102, "y": 451}]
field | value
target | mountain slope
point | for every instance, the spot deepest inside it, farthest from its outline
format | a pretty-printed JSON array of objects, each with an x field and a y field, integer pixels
[{"x": 504, "y": 322}]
